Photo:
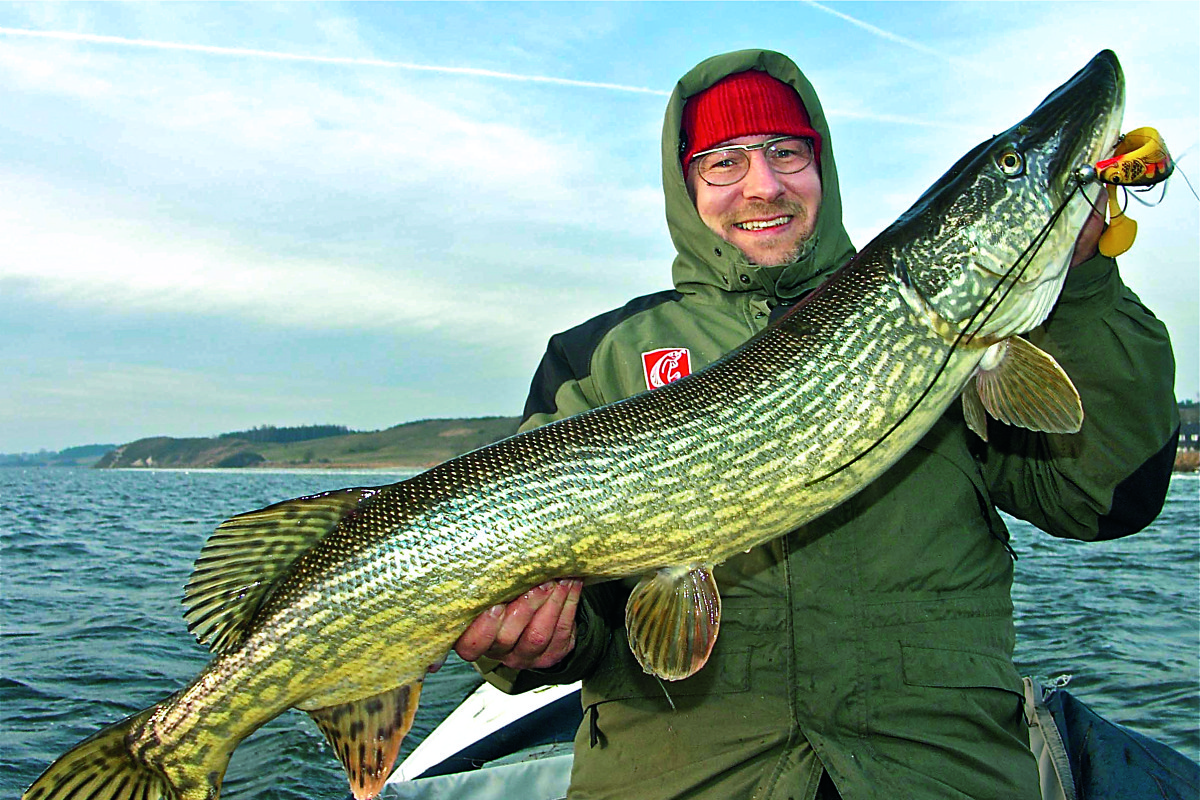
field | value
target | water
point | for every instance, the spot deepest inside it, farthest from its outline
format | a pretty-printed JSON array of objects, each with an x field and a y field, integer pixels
[
  {"x": 1121, "y": 617},
  {"x": 93, "y": 564}
]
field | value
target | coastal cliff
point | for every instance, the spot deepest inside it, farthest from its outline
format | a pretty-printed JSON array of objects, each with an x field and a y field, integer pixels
[{"x": 413, "y": 445}]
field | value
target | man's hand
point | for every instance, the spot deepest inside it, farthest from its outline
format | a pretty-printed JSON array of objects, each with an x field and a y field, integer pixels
[{"x": 535, "y": 631}]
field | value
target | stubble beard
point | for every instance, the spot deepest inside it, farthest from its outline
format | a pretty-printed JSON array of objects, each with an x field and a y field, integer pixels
[{"x": 799, "y": 216}]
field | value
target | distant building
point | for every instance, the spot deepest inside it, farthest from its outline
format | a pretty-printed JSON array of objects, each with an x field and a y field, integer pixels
[{"x": 1189, "y": 425}]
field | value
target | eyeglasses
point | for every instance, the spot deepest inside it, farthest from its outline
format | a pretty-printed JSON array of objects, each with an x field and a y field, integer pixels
[{"x": 728, "y": 164}]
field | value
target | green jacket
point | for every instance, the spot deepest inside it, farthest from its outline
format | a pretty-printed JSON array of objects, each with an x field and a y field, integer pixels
[{"x": 876, "y": 642}]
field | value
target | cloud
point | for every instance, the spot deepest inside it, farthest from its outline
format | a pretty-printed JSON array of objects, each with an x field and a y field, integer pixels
[
  {"x": 59, "y": 252},
  {"x": 284, "y": 197},
  {"x": 288, "y": 131},
  {"x": 239, "y": 214}
]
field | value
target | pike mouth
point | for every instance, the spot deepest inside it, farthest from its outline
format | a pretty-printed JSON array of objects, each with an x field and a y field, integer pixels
[{"x": 763, "y": 224}]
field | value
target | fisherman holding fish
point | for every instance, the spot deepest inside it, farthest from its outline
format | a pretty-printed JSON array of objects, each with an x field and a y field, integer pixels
[
  {"x": 869, "y": 652},
  {"x": 825, "y": 496}
]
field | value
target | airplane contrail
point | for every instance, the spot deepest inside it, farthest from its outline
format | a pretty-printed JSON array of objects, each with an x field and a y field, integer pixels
[
  {"x": 358, "y": 62},
  {"x": 483, "y": 73},
  {"x": 892, "y": 37}
]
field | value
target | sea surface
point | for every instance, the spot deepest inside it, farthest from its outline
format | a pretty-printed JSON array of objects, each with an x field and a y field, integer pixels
[{"x": 92, "y": 565}]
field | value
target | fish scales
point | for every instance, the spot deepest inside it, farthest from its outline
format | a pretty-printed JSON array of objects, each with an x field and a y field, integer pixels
[
  {"x": 340, "y": 572},
  {"x": 362, "y": 591}
]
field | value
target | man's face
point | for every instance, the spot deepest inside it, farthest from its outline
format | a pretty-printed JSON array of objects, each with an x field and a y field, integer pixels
[{"x": 767, "y": 215}]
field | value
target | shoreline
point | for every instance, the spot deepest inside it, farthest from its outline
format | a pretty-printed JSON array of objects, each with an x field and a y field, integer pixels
[
  {"x": 1186, "y": 461},
  {"x": 279, "y": 467}
]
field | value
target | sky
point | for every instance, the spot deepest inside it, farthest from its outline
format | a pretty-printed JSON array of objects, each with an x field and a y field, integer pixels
[{"x": 222, "y": 215}]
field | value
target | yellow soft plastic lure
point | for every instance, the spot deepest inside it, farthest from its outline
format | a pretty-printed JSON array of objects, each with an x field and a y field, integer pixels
[{"x": 1140, "y": 159}]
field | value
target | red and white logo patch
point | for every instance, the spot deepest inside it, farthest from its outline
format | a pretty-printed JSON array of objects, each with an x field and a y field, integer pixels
[{"x": 666, "y": 365}]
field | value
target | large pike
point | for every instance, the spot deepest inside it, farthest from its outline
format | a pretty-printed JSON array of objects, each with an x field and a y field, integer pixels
[{"x": 338, "y": 603}]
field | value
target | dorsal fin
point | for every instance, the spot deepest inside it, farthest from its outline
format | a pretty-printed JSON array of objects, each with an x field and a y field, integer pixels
[
  {"x": 241, "y": 560},
  {"x": 366, "y": 735}
]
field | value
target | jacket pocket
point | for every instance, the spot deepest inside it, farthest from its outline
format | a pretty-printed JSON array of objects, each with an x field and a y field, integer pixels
[
  {"x": 957, "y": 669},
  {"x": 956, "y": 722},
  {"x": 624, "y": 708}
]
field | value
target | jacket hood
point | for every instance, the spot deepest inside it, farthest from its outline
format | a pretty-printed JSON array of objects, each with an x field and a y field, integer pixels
[{"x": 703, "y": 256}]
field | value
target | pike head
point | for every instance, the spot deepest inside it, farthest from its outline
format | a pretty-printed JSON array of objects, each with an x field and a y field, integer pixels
[{"x": 984, "y": 252}]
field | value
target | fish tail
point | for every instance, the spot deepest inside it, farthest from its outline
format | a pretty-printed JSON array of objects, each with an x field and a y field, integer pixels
[{"x": 105, "y": 766}]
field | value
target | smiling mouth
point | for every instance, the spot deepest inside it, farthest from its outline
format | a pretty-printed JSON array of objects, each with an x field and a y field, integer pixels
[{"x": 762, "y": 224}]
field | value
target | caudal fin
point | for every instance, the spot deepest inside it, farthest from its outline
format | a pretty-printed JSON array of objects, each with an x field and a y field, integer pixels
[{"x": 102, "y": 767}]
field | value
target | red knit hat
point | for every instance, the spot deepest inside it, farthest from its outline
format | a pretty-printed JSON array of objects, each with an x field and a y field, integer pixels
[{"x": 742, "y": 104}]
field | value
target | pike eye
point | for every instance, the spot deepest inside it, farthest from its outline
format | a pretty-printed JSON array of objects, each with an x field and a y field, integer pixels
[{"x": 1010, "y": 163}]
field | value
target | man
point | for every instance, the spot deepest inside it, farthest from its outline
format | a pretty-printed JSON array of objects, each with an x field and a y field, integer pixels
[{"x": 869, "y": 653}]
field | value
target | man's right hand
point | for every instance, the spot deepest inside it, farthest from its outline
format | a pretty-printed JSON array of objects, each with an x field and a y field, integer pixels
[{"x": 535, "y": 631}]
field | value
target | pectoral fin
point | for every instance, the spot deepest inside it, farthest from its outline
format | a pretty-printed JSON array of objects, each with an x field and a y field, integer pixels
[
  {"x": 366, "y": 735},
  {"x": 973, "y": 411},
  {"x": 1021, "y": 385},
  {"x": 672, "y": 618}
]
